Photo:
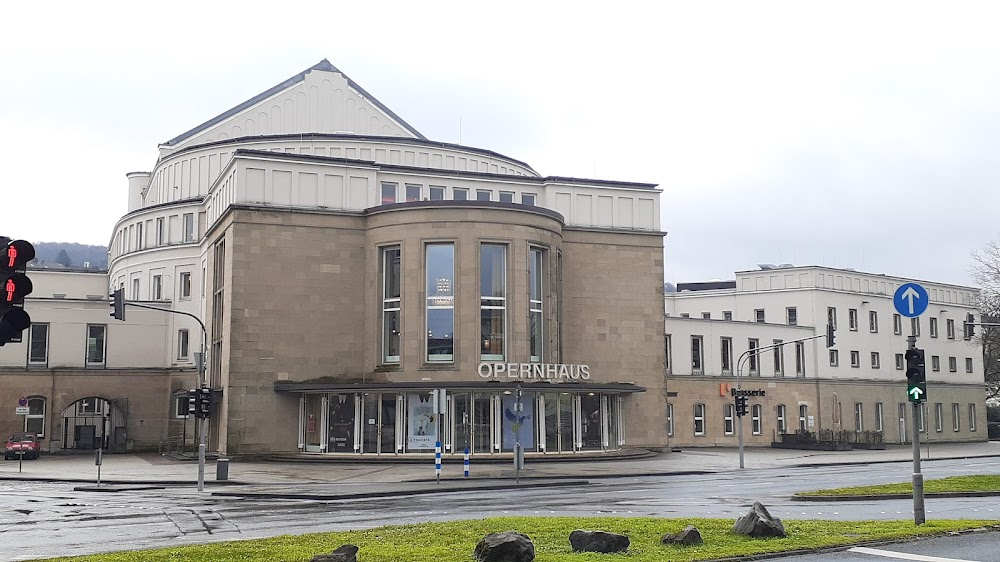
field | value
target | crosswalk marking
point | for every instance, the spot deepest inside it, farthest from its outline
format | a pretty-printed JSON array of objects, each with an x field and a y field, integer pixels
[{"x": 904, "y": 555}]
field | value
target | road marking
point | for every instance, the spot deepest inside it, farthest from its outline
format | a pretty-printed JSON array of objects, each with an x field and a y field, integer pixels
[{"x": 904, "y": 555}]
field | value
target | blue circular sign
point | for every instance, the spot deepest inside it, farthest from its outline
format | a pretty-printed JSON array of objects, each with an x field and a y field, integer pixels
[{"x": 910, "y": 300}]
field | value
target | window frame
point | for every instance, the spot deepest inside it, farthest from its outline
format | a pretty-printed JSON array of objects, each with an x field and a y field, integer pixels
[
  {"x": 667, "y": 365},
  {"x": 728, "y": 418},
  {"x": 791, "y": 316},
  {"x": 699, "y": 419},
  {"x": 509, "y": 195},
  {"x": 950, "y": 328},
  {"x": 528, "y": 199},
  {"x": 187, "y": 221},
  {"x": 758, "y": 315},
  {"x": 935, "y": 363},
  {"x": 831, "y": 316},
  {"x": 42, "y": 416},
  {"x": 834, "y": 358},
  {"x": 537, "y": 258},
  {"x": 873, "y": 321},
  {"x": 932, "y": 326},
  {"x": 852, "y": 319},
  {"x": 855, "y": 359},
  {"x": 388, "y": 193},
  {"x": 756, "y": 428},
  {"x": 952, "y": 364},
  {"x": 800, "y": 359},
  {"x": 156, "y": 287},
  {"x": 480, "y": 193},
  {"x": 897, "y": 324},
  {"x": 803, "y": 417},
  {"x": 900, "y": 362},
  {"x": 436, "y": 192},
  {"x": 409, "y": 189},
  {"x": 31, "y": 345},
  {"x": 876, "y": 360},
  {"x": 956, "y": 417},
  {"x": 878, "y": 417},
  {"x": 778, "y": 357},
  {"x": 183, "y": 344},
  {"x": 972, "y": 417},
  {"x": 391, "y": 305},
  {"x": 184, "y": 285},
  {"x": 104, "y": 346},
  {"x": 753, "y": 360},
  {"x": 782, "y": 419},
  {"x": 439, "y": 358},
  {"x": 969, "y": 367},
  {"x": 463, "y": 191},
  {"x": 859, "y": 417},
  {"x": 697, "y": 355},
  {"x": 493, "y": 303},
  {"x": 670, "y": 420},
  {"x": 726, "y": 354},
  {"x": 938, "y": 417}
]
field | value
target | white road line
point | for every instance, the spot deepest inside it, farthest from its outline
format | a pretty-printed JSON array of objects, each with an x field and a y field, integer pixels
[{"x": 904, "y": 555}]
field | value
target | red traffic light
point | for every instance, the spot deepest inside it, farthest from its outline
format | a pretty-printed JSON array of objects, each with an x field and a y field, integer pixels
[
  {"x": 13, "y": 288},
  {"x": 16, "y": 255}
]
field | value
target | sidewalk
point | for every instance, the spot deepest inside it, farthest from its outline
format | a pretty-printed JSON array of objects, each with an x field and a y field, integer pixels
[{"x": 152, "y": 468}]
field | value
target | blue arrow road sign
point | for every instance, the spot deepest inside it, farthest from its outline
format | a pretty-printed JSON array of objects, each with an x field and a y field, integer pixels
[{"x": 910, "y": 300}]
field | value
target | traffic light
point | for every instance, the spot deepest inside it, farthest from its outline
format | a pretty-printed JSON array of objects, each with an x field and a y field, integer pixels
[
  {"x": 916, "y": 376},
  {"x": 741, "y": 406},
  {"x": 831, "y": 335},
  {"x": 14, "y": 286},
  {"x": 203, "y": 403},
  {"x": 117, "y": 298},
  {"x": 192, "y": 406},
  {"x": 969, "y": 327}
]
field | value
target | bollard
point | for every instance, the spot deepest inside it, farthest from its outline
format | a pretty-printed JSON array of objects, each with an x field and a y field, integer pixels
[
  {"x": 222, "y": 469},
  {"x": 466, "y": 462},
  {"x": 437, "y": 461}
]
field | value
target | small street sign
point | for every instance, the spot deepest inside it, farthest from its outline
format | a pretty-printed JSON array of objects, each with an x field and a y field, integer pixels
[
  {"x": 22, "y": 401},
  {"x": 917, "y": 393},
  {"x": 910, "y": 300},
  {"x": 21, "y": 411}
]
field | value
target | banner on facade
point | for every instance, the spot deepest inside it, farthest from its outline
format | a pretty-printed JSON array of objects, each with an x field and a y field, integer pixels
[
  {"x": 421, "y": 421},
  {"x": 522, "y": 422}
]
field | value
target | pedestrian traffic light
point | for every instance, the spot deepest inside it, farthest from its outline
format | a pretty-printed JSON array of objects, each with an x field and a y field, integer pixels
[
  {"x": 831, "y": 335},
  {"x": 741, "y": 406},
  {"x": 14, "y": 286},
  {"x": 203, "y": 403},
  {"x": 969, "y": 327},
  {"x": 117, "y": 298}
]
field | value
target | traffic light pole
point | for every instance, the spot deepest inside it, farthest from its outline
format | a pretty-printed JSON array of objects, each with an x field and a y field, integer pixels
[
  {"x": 202, "y": 383},
  {"x": 918, "y": 478}
]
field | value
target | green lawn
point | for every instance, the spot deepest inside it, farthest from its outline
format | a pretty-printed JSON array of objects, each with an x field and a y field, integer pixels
[
  {"x": 950, "y": 484},
  {"x": 550, "y": 535}
]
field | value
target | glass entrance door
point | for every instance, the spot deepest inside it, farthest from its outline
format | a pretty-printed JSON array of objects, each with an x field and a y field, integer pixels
[
  {"x": 482, "y": 422},
  {"x": 462, "y": 419},
  {"x": 341, "y": 423},
  {"x": 314, "y": 423}
]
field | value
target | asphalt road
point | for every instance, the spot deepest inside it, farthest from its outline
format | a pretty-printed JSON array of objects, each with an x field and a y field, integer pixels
[{"x": 51, "y": 519}]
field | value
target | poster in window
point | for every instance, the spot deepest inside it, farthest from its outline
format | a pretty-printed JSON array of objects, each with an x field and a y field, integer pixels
[
  {"x": 341, "y": 434},
  {"x": 421, "y": 421},
  {"x": 522, "y": 422}
]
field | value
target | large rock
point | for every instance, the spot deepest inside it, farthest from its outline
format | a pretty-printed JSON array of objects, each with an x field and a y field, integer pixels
[
  {"x": 346, "y": 553},
  {"x": 509, "y": 546},
  {"x": 598, "y": 541},
  {"x": 759, "y": 523},
  {"x": 690, "y": 535}
]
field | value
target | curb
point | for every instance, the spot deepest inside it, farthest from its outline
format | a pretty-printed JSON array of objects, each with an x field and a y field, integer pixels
[
  {"x": 797, "y": 497},
  {"x": 398, "y": 493},
  {"x": 885, "y": 461}
]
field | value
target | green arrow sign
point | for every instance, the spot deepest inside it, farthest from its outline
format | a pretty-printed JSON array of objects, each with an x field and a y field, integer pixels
[{"x": 917, "y": 393}]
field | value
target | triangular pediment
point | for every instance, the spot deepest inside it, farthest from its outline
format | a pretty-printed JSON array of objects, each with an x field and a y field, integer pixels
[{"x": 320, "y": 99}]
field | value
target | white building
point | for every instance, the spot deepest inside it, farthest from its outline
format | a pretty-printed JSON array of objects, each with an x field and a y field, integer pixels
[{"x": 858, "y": 384}]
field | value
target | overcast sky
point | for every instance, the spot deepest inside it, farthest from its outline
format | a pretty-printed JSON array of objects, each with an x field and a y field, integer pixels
[{"x": 847, "y": 134}]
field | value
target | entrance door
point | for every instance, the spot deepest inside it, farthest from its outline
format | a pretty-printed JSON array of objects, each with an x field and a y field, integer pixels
[
  {"x": 462, "y": 419},
  {"x": 387, "y": 424},
  {"x": 314, "y": 423},
  {"x": 482, "y": 423},
  {"x": 369, "y": 419},
  {"x": 340, "y": 435}
]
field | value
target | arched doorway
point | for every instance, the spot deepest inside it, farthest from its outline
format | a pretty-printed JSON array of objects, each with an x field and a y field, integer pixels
[{"x": 95, "y": 423}]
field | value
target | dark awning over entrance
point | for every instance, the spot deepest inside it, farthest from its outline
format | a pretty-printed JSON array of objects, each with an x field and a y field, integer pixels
[{"x": 311, "y": 387}]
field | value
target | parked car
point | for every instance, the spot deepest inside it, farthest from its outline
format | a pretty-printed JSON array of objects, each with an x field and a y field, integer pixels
[{"x": 25, "y": 443}]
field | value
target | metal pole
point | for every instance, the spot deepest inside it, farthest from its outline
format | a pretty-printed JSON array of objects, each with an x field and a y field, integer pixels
[
  {"x": 202, "y": 422},
  {"x": 517, "y": 436},
  {"x": 739, "y": 377},
  {"x": 918, "y": 478}
]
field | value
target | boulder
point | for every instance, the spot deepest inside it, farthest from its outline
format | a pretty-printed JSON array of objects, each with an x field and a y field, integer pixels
[
  {"x": 509, "y": 546},
  {"x": 690, "y": 535},
  {"x": 759, "y": 523},
  {"x": 346, "y": 553},
  {"x": 598, "y": 541}
]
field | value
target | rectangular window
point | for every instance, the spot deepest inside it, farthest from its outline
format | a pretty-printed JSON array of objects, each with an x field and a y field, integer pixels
[
  {"x": 699, "y": 419},
  {"x": 185, "y": 282},
  {"x": 413, "y": 192},
  {"x": 666, "y": 345},
  {"x": 755, "y": 419},
  {"x": 852, "y": 319},
  {"x": 492, "y": 301},
  {"x": 938, "y": 417},
  {"x": 899, "y": 361},
  {"x": 753, "y": 345},
  {"x": 972, "y": 417},
  {"x": 182, "y": 344},
  {"x": 859, "y": 419},
  {"x": 758, "y": 315},
  {"x": 779, "y": 358},
  {"x": 915, "y": 326},
  {"x": 670, "y": 420},
  {"x": 727, "y": 418},
  {"x": 950, "y": 327},
  {"x": 391, "y": 304},
  {"x": 536, "y": 327},
  {"x": 528, "y": 199},
  {"x": 706, "y": 315},
  {"x": 161, "y": 238},
  {"x": 440, "y": 268},
  {"x": 897, "y": 324},
  {"x": 727, "y": 355},
  {"x": 800, "y": 359},
  {"x": 935, "y": 363},
  {"x": 189, "y": 227},
  {"x": 138, "y": 236},
  {"x": 921, "y": 415},
  {"x": 506, "y": 196},
  {"x": 782, "y": 424},
  {"x": 460, "y": 194},
  {"x": 803, "y": 417},
  {"x": 697, "y": 363},
  {"x": 437, "y": 193},
  {"x": 181, "y": 402},
  {"x": 218, "y": 308},
  {"x": 95, "y": 344},
  {"x": 873, "y": 321},
  {"x": 135, "y": 289},
  {"x": 38, "y": 344},
  {"x": 156, "y": 288},
  {"x": 956, "y": 418},
  {"x": 968, "y": 364},
  {"x": 831, "y": 316},
  {"x": 952, "y": 364},
  {"x": 878, "y": 416},
  {"x": 834, "y": 358},
  {"x": 792, "y": 316},
  {"x": 484, "y": 195},
  {"x": 727, "y": 315},
  {"x": 933, "y": 327},
  {"x": 856, "y": 359},
  {"x": 388, "y": 193},
  {"x": 876, "y": 362}
]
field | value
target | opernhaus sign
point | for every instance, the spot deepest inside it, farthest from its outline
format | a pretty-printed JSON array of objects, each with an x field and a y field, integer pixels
[{"x": 540, "y": 371}]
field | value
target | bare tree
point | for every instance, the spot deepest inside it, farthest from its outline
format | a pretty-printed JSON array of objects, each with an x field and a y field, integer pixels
[{"x": 985, "y": 271}]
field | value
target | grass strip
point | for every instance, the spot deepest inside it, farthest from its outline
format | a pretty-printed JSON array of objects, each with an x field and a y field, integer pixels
[
  {"x": 981, "y": 483},
  {"x": 456, "y": 540}
]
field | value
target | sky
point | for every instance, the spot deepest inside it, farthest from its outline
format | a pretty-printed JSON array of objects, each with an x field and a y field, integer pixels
[{"x": 848, "y": 134}]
